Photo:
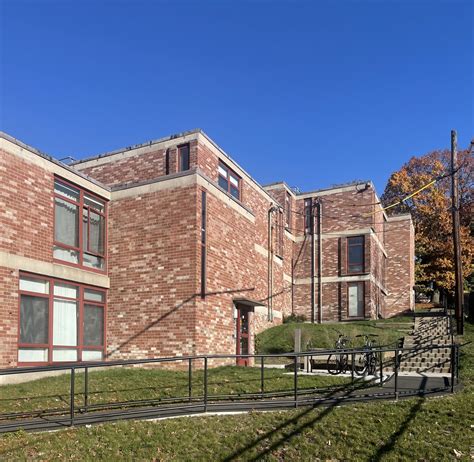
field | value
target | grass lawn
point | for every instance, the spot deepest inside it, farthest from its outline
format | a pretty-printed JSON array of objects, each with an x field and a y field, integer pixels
[
  {"x": 418, "y": 429},
  {"x": 280, "y": 339}
]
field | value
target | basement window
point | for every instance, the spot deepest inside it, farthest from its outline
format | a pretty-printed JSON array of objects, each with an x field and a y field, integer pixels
[{"x": 229, "y": 181}]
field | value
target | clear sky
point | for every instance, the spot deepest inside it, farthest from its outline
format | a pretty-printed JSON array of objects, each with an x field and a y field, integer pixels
[{"x": 311, "y": 92}]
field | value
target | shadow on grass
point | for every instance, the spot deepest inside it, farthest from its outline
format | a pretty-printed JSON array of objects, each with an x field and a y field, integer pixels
[
  {"x": 390, "y": 445},
  {"x": 338, "y": 394}
]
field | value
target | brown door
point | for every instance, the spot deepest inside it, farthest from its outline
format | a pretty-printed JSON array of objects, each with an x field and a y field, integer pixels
[{"x": 242, "y": 335}]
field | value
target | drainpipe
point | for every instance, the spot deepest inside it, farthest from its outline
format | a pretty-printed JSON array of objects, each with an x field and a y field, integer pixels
[
  {"x": 313, "y": 263},
  {"x": 270, "y": 264},
  {"x": 320, "y": 260}
]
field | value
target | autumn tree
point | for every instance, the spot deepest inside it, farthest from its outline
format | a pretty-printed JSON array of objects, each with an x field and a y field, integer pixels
[{"x": 431, "y": 213}]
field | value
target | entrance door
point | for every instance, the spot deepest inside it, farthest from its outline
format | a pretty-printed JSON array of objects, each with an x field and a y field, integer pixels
[
  {"x": 242, "y": 334},
  {"x": 356, "y": 300}
]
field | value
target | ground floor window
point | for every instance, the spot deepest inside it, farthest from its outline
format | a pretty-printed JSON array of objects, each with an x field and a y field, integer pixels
[
  {"x": 355, "y": 292},
  {"x": 60, "y": 321}
]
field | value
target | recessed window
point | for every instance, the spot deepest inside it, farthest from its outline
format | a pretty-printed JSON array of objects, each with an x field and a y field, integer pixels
[
  {"x": 287, "y": 210},
  {"x": 308, "y": 203},
  {"x": 183, "y": 155},
  {"x": 79, "y": 244},
  {"x": 229, "y": 180},
  {"x": 355, "y": 254},
  {"x": 60, "y": 321}
]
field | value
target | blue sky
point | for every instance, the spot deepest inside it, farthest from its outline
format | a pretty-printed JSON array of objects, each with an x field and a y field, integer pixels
[{"x": 311, "y": 92}]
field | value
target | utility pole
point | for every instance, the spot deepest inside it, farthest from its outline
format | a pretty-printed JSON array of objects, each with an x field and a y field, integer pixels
[
  {"x": 312, "y": 223},
  {"x": 458, "y": 298}
]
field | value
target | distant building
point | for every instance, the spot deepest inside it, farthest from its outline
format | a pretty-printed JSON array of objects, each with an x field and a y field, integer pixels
[{"x": 170, "y": 248}]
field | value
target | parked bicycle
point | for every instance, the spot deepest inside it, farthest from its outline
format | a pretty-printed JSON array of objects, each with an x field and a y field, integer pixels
[
  {"x": 367, "y": 362},
  {"x": 338, "y": 363}
]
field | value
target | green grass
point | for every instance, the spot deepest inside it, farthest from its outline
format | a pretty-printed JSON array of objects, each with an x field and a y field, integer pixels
[
  {"x": 280, "y": 339},
  {"x": 409, "y": 430},
  {"x": 121, "y": 384}
]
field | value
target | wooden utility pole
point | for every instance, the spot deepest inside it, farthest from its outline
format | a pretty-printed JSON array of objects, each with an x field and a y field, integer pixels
[{"x": 458, "y": 297}]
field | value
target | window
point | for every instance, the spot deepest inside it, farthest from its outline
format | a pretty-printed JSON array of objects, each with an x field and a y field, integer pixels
[
  {"x": 356, "y": 295},
  {"x": 60, "y": 321},
  {"x": 183, "y": 155},
  {"x": 355, "y": 254},
  {"x": 308, "y": 203},
  {"x": 77, "y": 244},
  {"x": 287, "y": 210},
  {"x": 279, "y": 233},
  {"x": 229, "y": 180}
]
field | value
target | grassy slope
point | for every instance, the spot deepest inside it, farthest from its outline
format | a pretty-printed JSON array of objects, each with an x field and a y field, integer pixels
[
  {"x": 280, "y": 339},
  {"x": 412, "y": 430}
]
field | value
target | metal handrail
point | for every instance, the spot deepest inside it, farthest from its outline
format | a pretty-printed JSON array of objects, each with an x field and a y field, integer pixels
[
  {"x": 294, "y": 396},
  {"x": 126, "y": 362}
]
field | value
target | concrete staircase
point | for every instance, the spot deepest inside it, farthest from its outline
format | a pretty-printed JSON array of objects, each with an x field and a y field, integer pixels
[{"x": 432, "y": 329}]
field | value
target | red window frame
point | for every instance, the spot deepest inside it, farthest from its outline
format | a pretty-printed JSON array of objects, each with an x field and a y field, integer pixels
[
  {"x": 81, "y": 206},
  {"x": 227, "y": 180},
  {"x": 349, "y": 264},
  {"x": 80, "y": 347},
  {"x": 180, "y": 157}
]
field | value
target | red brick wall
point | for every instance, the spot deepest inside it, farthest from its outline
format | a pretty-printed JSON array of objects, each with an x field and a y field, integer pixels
[
  {"x": 137, "y": 168},
  {"x": 400, "y": 266},
  {"x": 26, "y": 208},
  {"x": 153, "y": 274},
  {"x": 8, "y": 316}
]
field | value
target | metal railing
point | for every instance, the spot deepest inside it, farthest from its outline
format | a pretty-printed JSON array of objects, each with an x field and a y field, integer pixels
[{"x": 199, "y": 401}]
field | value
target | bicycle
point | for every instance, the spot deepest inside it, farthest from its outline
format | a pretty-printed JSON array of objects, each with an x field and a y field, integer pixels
[
  {"x": 367, "y": 362},
  {"x": 337, "y": 363}
]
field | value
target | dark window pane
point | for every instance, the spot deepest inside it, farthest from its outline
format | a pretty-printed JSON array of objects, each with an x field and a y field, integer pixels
[
  {"x": 96, "y": 233},
  {"x": 358, "y": 240},
  {"x": 34, "y": 316},
  {"x": 234, "y": 191},
  {"x": 184, "y": 158},
  {"x": 66, "y": 225},
  {"x": 355, "y": 254},
  {"x": 93, "y": 325},
  {"x": 223, "y": 183},
  {"x": 244, "y": 346}
]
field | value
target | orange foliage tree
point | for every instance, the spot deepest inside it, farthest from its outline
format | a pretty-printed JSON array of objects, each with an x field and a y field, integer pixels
[{"x": 431, "y": 213}]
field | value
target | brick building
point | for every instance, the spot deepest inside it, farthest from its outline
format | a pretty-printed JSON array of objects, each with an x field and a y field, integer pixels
[{"x": 170, "y": 247}]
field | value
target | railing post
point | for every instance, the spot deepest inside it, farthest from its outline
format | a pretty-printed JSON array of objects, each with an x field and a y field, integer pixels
[
  {"x": 396, "y": 373},
  {"x": 381, "y": 368},
  {"x": 190, "y": 379},
  {"x": 352, "y": 366},
  {"x": 71, "y": 404},
  {"x": 262, "y": 375},
  {"x": 295, "y": 363},
  {"x": 453, "y": 365},
  {"x": 457, "y": 363},
  {"x": 205, "y": 384},
  {"x": 86, "y": 388}
]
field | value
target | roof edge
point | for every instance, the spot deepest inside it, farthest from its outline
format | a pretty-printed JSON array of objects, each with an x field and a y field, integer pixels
[{"x": 52, "y": 159}]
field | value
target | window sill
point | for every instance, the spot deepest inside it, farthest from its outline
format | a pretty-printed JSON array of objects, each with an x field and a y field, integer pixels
[{"x": 79, "y": 267}]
